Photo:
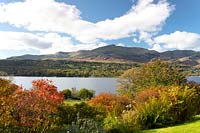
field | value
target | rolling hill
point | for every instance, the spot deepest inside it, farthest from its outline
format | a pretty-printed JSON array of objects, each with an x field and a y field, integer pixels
[{"x": 119, "y": 53}]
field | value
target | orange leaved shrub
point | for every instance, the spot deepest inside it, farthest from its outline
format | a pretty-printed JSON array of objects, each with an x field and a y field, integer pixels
[
  {"x": 34, "y": 107},
  {"x": 144, "y": 96},
  {"x": 110, "y": 103}
]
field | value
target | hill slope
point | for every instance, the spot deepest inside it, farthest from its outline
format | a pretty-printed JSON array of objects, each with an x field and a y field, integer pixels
[
  {"x": 110, "y": 53},
  {"x": 118, "y": 53}
]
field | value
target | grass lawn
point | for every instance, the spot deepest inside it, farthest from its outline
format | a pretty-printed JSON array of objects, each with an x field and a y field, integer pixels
[
  {"x": 189, "y": 127},
  {"x": 72, "y": 102}
]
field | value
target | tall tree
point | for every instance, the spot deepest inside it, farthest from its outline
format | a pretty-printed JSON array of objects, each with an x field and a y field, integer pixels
[{"x": 155, "y": 73}]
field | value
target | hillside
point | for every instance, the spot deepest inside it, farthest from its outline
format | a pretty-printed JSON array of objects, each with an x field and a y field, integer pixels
[
  {"x": 110, "y": 53},
  {"x": 119, "y": 53}
]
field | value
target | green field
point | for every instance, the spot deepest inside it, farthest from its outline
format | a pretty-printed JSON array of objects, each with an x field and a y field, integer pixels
[
  {"x": 189, "y": 127},
  {"x": 72, "y": 102}
]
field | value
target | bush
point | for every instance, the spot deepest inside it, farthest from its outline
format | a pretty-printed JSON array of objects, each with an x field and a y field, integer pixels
[
  {"x": 67, "y": 93},
  {"x": 154, "y": 113},
  {"x": 68, "y": 114},
  {"x": 151, "y": 114},
  {"x": 110, "y": 103},
  {"x": 196, "y": 86},
  {"x": 85, "y": 126},
  {"x": 85, "y": 111},
  {"x": 28, "y": 109},
  {"x": 174, "y": 104},
  {"x": 85, "y": 94},
  {"x": 7, "y": 99},
  {"x": 35, "y": 108},
  {"x": 111, "y": 122},
  {"x": 114, "y": 125},
  {"x": 145, "y": 95},
  {"x": 184, "y": 101}
]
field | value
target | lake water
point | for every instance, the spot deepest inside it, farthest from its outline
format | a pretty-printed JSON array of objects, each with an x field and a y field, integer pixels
[
  {"x": 97, "y": 84},
  {"x": 194, "y": 78}
]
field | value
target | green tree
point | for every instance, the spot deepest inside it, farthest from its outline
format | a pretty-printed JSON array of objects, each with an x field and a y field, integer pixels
[
  {"x": 67, "y": 93},
  {"x": 156, "y": 73},
  {"x": 85, "y": 93}
]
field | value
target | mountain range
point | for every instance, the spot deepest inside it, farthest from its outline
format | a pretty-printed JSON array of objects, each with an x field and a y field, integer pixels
[{"x": 119, "y": 54}]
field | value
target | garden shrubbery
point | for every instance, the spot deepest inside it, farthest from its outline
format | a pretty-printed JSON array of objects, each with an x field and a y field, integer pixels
[
  {"x": 29, "y": 109},
  {"x": 174, "y": 104},
  {"x": 145, "y": 95},
  {"x": 42, "y": 109},
  {"x": 79, "y": 118},
  {"x": 69, "y": 113},
  {"x": 110, "y": 103},
  {"x": 161, "y": 94},
  {"x": 154, "y": 95}
]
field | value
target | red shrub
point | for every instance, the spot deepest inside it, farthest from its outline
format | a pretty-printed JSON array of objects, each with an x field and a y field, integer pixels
[{"x": 34, "y": 107}]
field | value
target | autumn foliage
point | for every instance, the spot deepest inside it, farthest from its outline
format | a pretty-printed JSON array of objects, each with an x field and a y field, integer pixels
[
  {"x": 145, "y": 95},
  {"x": 29, "y": 108},
  {"x": 110, "y": 102},
  {"x": 152, "y": 74},
  {"x": 47, "y": 91},
  {"x": 7, "y": 89}
]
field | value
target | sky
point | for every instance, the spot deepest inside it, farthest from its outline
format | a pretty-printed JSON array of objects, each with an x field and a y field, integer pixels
[{"x": 50, "y": 26}]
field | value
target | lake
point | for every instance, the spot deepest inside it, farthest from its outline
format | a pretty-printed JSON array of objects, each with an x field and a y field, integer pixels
[
  {"x": 97, "y": 84},
  {"x": 194, "y": 78}
]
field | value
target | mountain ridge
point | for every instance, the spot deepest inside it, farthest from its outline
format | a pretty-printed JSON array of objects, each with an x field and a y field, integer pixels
[{"x": 118, "y": 53}]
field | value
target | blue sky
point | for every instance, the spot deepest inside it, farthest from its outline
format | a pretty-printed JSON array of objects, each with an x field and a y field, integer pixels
[{"x": 50, "y": 26}]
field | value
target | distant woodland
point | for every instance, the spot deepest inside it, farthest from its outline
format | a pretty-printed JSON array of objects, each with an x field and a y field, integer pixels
[{"x": 62, "y": 68}]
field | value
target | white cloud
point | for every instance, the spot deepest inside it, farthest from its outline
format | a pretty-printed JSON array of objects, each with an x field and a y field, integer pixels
[
  {"x": 178, "y": 40},
  {"x": 46, "y": 43},
  {"x": 51, "y": 16},
  {"x": 146, "y": 37},
  {"x": 120, "y": 44},
  {"x": 22, "y": 40},
  {"x": 65, "y": 44},
  {"x": 158, "y": 47},
  {"x": 143, "y": 17}
]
